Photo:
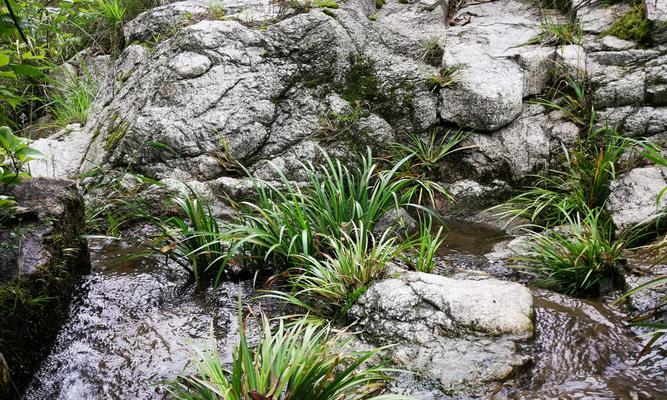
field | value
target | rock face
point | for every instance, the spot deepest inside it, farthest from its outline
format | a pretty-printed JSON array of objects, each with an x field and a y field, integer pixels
[
  {"x": 656, "y": 12},
  {"x": 41, "y": 257},
  {"x": 633, "y": 197},
  {"x": 195, "y": 92},
  {"x": 462, "y": 333}
]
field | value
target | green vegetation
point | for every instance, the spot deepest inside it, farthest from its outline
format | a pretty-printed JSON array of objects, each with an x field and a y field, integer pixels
[
  {"x": 72, "y": 103},
  {"x": 427, "y": 154},
  {"x": 445, "y": 78},
  {"x": 325, "y": 4},
  {"x": 423, "y": 248},
  {"x": 44, "y": 37},
  {"x": 15, "y": 154},
  {"x": 380, "y": 3},
  {"x": 425, "y": 157},
  {"x": 194, "y": 239},
  {"x": 577, "y": 257},
  {"x": 216, "y": 11},
  {"x": 287, "y": 222},
  {"x": 584, "y": 185},
  {"x": 572, "y": 247},
  {"x": 373, "y": 17},
  {"x": 302, "y": 361},
  {"x": 554, "y": 33},
  {"x": 431, "y": 51},
  {"x": 323, "y": 286},
  {"x": 570, "y": 96},
  {"x": 633, "y": 25}
]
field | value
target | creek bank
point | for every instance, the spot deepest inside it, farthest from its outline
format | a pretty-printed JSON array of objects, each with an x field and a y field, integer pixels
[{"x": 41, "y": 257}]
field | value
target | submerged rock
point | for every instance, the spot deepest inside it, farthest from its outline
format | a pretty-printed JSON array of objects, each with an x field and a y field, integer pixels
[
  {"x": 41, "y": 256},
  {"x": 462, "y": 333}
]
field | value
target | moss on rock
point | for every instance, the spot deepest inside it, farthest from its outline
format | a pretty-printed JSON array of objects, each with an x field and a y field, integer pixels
[{"x": 633, "y": 25}]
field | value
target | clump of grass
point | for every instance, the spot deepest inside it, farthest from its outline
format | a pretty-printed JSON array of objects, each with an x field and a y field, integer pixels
[
  {"x": 288, "y": 222},
  {"x": 425, "y": 158},
  {"x": 322, "y": 285},
  {"x": 216, "y": 11},
  {"x": 373, "y": 17},
  {"x": 72, "y": 103},
  {"x": 291, "y": 7},
  {"x": 295, "y": 362},
  {"x": 194, "y": 239},
  {"x": 554, "y": 33},
  {"x": 427, "y": 154},
  {"x": 633, "y": 25},
  {"x": 424, "y": 246},
  {"x": 380, "y": 3},
  {"x": 112, "y": 10},
  {"x": 570, "y": 96},
  {"x": 335, "y": 126},
  {"x": 431, "y": 51},
  {"x": 445, "y": 78},
  {"x": 576, "y": 258},
  {"x": 583, "y": 186}
]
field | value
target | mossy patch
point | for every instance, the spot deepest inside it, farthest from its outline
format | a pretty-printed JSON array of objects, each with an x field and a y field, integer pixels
[
  {"x": 362, "y": 86},
  {"x": 325, "y": 4},
  {"x": 633, "y": 25},
  {"x": 380, "y": 3}
]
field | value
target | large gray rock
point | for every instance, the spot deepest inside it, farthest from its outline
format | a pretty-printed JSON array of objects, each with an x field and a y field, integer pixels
[
  {"x": 633, "y": 197},
  {"x": 64, "y": 153},
  {"x": 461, "y": 333},
  {"x": 597, "y": 16},
  {"x": 636, "y": 121},
  {"x": 489, "y": 86},
  {"x": 513, "y": 151},
  {"x": 220, "y": 92}
]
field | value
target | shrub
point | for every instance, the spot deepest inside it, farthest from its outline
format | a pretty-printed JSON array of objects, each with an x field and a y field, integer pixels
[
  {"x": 15, "y": 154},
  {"x": 575, "y": 258},
  {"x": 302, "y": 361}
]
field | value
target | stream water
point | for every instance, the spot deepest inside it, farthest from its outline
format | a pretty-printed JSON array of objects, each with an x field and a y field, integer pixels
[{"x": 134, "y": 325}]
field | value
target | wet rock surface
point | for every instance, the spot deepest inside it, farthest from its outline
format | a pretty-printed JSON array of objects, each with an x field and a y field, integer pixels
[{"x": 135, "y": 323}]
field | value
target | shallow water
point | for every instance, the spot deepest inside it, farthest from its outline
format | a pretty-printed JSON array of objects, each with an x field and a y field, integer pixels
[
  {"x": 583, "y": 350},
  {"x": 135, "y": 321},
  {"x": 469, "y": 238}
]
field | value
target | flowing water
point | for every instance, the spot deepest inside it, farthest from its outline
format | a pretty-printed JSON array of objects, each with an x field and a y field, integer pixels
[{"x": 136, "y": 320}]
